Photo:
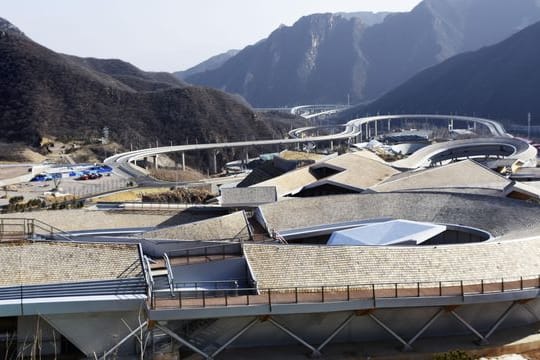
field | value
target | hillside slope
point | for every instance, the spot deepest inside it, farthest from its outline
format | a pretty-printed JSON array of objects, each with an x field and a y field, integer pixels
[
  {"x": 43, "y": 93},
  {"x": 501, "y": 81},
  {"x": 328, "y": 58}
]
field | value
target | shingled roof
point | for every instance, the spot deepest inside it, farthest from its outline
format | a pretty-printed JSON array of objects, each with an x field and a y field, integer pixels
[
  {"x": 32, "y": 263},
  {"x": 465, "y": 175},
  {"x": 496, "y": 215},
  {"x": 279, "y": 266},
  {"x": 351, "y": 171},
  {"x": 219, "y": 228}
]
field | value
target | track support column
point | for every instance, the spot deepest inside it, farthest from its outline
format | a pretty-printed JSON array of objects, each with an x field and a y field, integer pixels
[{"x": 183, "y": 161}]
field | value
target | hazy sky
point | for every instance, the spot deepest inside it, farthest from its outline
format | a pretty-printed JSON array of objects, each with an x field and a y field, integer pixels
[{"x": 166, "y": 35}]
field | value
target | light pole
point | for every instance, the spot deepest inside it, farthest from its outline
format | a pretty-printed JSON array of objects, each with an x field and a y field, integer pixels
[{"x": 529, "y": 126}]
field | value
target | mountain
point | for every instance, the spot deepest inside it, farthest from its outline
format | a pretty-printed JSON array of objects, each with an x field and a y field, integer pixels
[
  {"x": 366, "y": 17},
  {"x": 292, "y": 63},
  {"x": 501, "y": 82},
  {"x": 210, "y": 64},
  {"x": 43, "y": 93},
  {"x": 7, "y": 27},
  {"x": 129, "y": 74},
  {"x": 328, "y": 58}
]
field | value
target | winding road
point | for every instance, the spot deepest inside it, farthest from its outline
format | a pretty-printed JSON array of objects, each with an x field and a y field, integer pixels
[{"x": 361, "y": 128}]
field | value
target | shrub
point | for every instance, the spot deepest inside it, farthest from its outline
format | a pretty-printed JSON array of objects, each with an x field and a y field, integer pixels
[
  {"x": 16, "y": 199},
  {"x": 453, "y": 355}
]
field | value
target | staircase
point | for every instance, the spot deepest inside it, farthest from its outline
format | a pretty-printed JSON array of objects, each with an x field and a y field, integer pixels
[{"x": 22, "y": 229}]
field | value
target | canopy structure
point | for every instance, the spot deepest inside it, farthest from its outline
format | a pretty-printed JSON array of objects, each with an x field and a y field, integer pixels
[{"x": 394, "y": 232}]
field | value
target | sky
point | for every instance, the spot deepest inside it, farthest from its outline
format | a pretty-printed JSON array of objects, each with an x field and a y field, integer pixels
[{"x": 166, "y": 35}]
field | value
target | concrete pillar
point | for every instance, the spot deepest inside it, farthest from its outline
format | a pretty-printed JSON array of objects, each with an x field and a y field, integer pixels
[
  {"x": 156, "y": 166},
  {"x": 214, "y": 156},
  {"x": 331, "y": 145},
  {"x": 183, "y": 161},
  {"x": 376, "y": 128},
  {"x": 388, "y": 125}
]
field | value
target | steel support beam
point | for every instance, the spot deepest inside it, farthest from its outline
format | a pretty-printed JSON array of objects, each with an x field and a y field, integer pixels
[
  {"x": 406, "y": 346},
  {"x": 500, "y": 320},
  {"x": 483, "y": 340},
  {"x": 314, "y": 351},
  {"x": 182, "y": 341},
  {"x": 336, "y": 331},
  {"x": 126, "y": 338},
  {"x": 236, "y": 336},
  {"x": 530, "y": 311},
  {"x": 424, "y": 328}
]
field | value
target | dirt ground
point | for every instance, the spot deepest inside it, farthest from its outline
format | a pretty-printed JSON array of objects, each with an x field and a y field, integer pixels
[
  {"x": 12, "y": 171},
  {"x": 17, "y": 152}
]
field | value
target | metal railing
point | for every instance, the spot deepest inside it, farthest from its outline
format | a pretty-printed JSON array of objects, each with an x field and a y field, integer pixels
[
  {"x": 207, "y": 253},
  {"x": 170, "y": 275},
  {"x": 343, "y": 293},
  {"x": 29, "y": 228},
  {"x": 87, "y": 288}
]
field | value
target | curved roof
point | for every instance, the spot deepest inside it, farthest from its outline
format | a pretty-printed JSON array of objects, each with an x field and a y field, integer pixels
[{"x": 501, "y": 217}]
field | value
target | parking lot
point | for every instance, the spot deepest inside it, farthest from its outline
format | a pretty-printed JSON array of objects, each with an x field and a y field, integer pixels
[{"x": 84, "y": 187}]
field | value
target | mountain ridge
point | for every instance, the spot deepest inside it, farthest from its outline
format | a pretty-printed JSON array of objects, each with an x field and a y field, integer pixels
[
  {"x": 44, "y": 93},
  {"x": 500, "y": 81},
  {"x": 373, "y": 58}
]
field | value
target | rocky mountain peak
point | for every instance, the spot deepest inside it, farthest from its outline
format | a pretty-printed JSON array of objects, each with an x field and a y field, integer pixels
[{"x": 9, "y": 28}]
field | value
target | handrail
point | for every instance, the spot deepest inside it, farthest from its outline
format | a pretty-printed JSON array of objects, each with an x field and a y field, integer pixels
[
  {"x": 148, "y": 271},
  {"x": 204, "y": 282},
  {"x": 53, "y": 230},
  {"x": 348, "y": 292},
  {"x": 203, "y": 251},
  {"x": 170, "y": 276},
  {"x": 28, "y": 227},
  {"x": 83, "y": 288}
]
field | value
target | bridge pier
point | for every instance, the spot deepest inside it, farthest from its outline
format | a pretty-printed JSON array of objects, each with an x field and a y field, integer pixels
[
  {"x": 331, "y": 145},
  {"x": 183, "y": 161},
  {"x": 156, "y": 165},
  {"x": 214, "y": 161}
]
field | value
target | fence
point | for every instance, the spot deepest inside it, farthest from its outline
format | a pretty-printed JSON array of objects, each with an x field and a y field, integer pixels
[
  {"x": 23, "y": 228},
  {"x": 129, "y": 286},
  {"x": 193, "y": 298}
]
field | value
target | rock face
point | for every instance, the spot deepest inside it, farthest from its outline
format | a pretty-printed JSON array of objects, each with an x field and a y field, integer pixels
[
  {"x": 43, "y": 93},
  {"x": 501, "y": 82},
  {"x": 328, "y": 58}
]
